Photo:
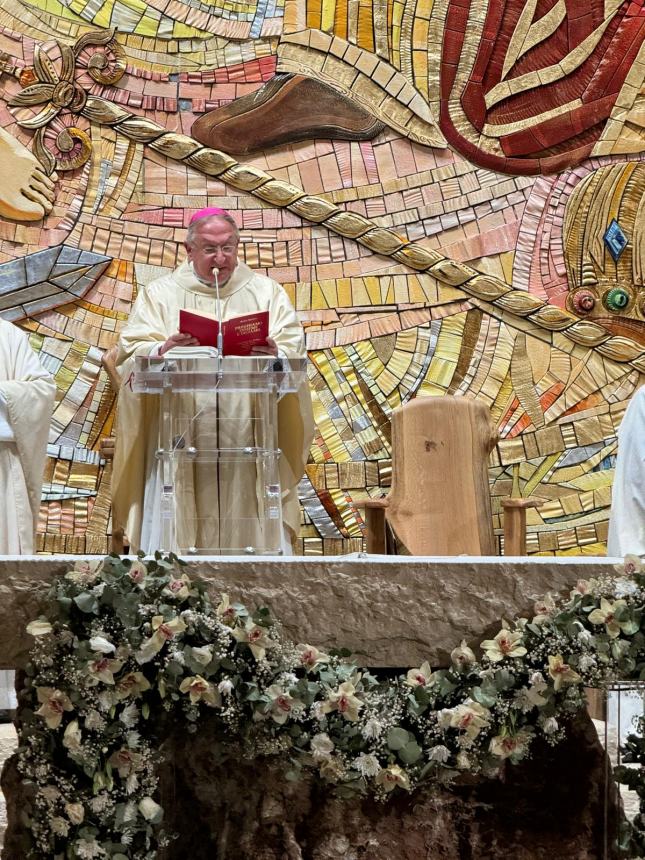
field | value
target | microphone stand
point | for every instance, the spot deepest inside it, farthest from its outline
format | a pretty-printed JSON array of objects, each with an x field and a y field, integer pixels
[
  {"x": 220, "y": 335},
  {"x": 220, "y": 350}
]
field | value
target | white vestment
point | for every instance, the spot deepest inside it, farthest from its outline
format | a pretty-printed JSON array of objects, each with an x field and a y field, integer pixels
[
  {"x": 627, "y": 520},
  {"x": 212, "y": 493},
  {"x": 27, "y": 394}
]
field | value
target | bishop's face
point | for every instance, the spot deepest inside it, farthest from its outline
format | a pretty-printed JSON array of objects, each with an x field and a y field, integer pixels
[{"x": 214, "y": 245}]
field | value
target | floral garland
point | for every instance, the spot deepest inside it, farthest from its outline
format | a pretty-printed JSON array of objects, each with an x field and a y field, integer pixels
[{"x": 126, "y": 641}]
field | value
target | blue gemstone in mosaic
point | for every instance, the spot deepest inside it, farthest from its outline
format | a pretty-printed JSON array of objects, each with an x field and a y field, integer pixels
[{"x": 615, "y": 239}]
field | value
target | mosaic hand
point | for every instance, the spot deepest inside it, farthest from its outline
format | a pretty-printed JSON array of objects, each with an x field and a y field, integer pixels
[{"x": 26, "y": 192}]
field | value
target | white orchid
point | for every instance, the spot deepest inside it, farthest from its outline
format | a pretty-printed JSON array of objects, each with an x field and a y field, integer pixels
[
  {"x": 462, "y": 656},
  {"x": 201, "y": 690},
  {"x": 392, "y": 777},
  {"x": 420, "y": 677},
  {"x": 507, "y": 643},
  {"x": 254, "y": 636},
  {"x": 343, "y": 700},
  {"x": 561, "y": 672},
  {"x": 53, "y": 703}
]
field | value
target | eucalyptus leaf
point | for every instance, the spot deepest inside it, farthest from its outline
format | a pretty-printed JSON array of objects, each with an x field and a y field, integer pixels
[
  {"x": 630, "y": 627},
  {"x": 410, "y": 753},
  {"x": 87, "y": 603},
  {"x": 427, "y": 768},
  {"x": 485, "y": 696},
  {"x": 397, "y": 738},
  {"x": 619, "y": 648},
  {"x": 415, "y": 707},
  {"x": 503, "y": 680},
  {"x": 445, "y": 685},
  {"x": 64, "y": 603}
]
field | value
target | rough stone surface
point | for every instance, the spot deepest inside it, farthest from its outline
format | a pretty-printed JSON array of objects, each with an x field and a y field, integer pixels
[
  {"x": 550, "y": 807},
  {"x": 8, "y": 744},
  {"x": 391, "y": 611}
]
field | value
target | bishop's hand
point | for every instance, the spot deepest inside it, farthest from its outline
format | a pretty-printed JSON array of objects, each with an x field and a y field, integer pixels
[
  {"x": 269, "y": 347},
  {"x": 178, "y": 339}
]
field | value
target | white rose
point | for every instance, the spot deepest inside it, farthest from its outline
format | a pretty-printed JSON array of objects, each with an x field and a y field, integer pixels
[
  {"x": 101, "y": 644},
  {"x": 322, "y": 746},
  {"x": 203, "y": 655},
  {"x": 40, "y": 627},
  {"x": 463, "y": 762},
  {"x": 50, "y": 793},
  {"x": 150, "y": 810},
  {"x": 75, "y": 812},
  {"x": 72, "y": 737},
  {"x": 550, "y": 725},
  {"x": 444, "y": 717},
  {"x": 60, "y": 826},
  {"x": 586, "y": 662},
  {"x": 537, "y": 680}
]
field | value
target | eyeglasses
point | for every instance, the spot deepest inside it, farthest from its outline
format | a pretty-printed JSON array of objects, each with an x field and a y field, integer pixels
[{"x": 227, "y": 250}]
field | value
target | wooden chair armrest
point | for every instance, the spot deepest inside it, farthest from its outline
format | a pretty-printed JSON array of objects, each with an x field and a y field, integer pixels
[
  {"x": 515, "y": 524},
  {"x": 372, "y": 504},
  {"x": 118, "y": 541},
  {"x": 522, "y": 503},
  {"x": 375, "y": 539}
]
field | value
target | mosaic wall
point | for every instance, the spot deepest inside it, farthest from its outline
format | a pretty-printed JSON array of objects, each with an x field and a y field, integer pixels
[{"x": 451, "y": 192}]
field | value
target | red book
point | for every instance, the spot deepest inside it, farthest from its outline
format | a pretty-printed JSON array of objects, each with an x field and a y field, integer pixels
[{"x": 239, "y": 335}]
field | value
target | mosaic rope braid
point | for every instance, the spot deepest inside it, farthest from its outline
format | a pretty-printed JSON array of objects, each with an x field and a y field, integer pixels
[{"x": 485, "y": 288}]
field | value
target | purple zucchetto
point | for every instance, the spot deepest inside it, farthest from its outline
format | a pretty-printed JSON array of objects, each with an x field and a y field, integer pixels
[{"x": 208, "y": 212}]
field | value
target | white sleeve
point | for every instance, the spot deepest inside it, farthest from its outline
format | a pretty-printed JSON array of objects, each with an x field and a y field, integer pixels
[
  {"x": 627, "y": 520},
  {"x": 6, "y": 430}
]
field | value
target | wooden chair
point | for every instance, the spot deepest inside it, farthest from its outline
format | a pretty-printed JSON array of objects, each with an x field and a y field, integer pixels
[{"x": 439, "y": 503}]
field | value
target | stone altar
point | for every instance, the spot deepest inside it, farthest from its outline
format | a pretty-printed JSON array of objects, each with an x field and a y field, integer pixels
[
  {"x": 393, "y": 612},
  {"x": 389, "y": 610}
]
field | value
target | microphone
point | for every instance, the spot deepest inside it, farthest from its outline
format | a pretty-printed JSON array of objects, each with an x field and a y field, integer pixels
[{"x": 220, "y": 336}]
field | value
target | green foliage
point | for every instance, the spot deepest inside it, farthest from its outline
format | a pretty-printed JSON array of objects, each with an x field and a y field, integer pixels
[{"x": 632, "y": 837}]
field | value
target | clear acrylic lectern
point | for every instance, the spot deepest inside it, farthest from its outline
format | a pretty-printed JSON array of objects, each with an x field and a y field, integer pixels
[{"x": 216, "y": 482}]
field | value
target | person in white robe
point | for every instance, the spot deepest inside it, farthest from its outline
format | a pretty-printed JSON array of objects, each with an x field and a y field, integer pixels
[
  {"x": 213, "y": 496},
  {"x": 27, "y": 394},
  {"x": 627, "y": 519}
]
